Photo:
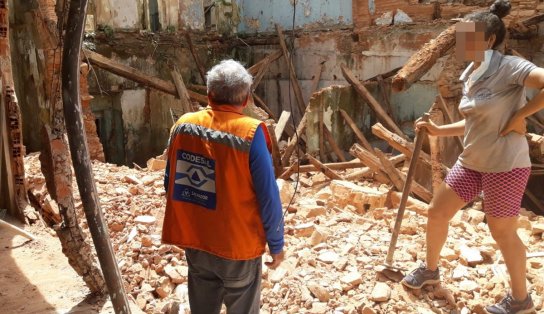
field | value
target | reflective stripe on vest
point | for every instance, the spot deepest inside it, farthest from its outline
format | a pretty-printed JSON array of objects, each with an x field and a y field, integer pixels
[{"x": 213, "y": 136}]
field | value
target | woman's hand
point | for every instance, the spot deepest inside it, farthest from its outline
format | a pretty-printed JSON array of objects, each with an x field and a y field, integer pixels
[
  {"x": 431, "y": 128},
  {"x": 516, "y": 124}
]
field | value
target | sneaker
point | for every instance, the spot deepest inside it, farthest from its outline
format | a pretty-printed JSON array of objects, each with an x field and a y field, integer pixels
[
  {"x": 420, "y": 277},
  {"x": 510, "y": 306}
]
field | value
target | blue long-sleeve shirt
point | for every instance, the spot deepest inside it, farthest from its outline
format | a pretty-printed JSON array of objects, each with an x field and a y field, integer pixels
[{"x": 266, "y": 189}]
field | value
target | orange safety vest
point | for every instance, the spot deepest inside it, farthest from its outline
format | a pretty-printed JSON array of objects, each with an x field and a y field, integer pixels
[{"x": 211, "y": 203}]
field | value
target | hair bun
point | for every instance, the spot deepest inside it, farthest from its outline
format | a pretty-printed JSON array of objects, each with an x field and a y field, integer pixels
[{"x": 500, "y": 8}]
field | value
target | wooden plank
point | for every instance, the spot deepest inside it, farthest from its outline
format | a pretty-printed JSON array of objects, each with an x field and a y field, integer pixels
[
  {"x": 333, "y": 166},
  {"x": 448, "y": 115},
  {"x": 330, "y": 139},
  {"x": 389, "y": 169},
  {"x": 370, "y": 161},
  {"x": 276, "y": 157},
  {"x": 360, "y": 136},
  {"x": 7, "y": 158},
  {"x": 182, "y": 91},
  {"x": 260, "y": 103},
  {"x": 254, "y": 69},
  {"x": 282, "y": 122},
  {"x": 294, "y": 140},
  {"x": 378, "y": 109},
  {"x": 195, "y": 56},
  {"x": 260, "y": 74},
  {"x": 424, "y": 59},
  {"x": 321, "y": 125},
  {"x": 138, "y": 76},
  {"x": 367, "y": 171},
  {"x": 385, "y": 96},
  {"x": 316, "y": 79},
  {"x": 292, "y": 75},
  {"x": 326, "y": 170}
]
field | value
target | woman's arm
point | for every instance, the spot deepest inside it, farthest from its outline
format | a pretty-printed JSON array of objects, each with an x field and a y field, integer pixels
[
  {"x": 535, "y": 79},
  {"x": 452, "y": 129}
]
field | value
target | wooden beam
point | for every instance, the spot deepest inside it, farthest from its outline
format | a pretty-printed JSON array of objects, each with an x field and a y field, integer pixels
[
  {"x": 5, "y": 151},
  {"x": 389, "y": 169},
  {"x": 254, "y": 69},
  {"x": 370, "y": 161},
  {"x": 182, "y": 91},
  {"x": 333, "y": 166},
  {"x": 316, "y": 79},
  {"x": 282, "y": 122},
  {"x": 337, "y": 151},
  {"x": 260, "y": 74},
  {"x": 360, "y": 136},
  {"x": 260, "y": 103},
  {"x": 276, "y": 157},
  {"x": 294, "y": 140},
  {"x": 533, "y": 20},
  {"x": 448, "y": 115},
  {"x": 326, "y": 170},
  {"x": 437, "y": 147},
  {"x": 195, "y": 56},
  {"x": 424, "y": 59},
  {"x": 292, "y": 75},
  {"x": 363, "y": 172},
  {"x": 321, "y": 126},
  {"x": 138, "y": 76},
  {"x": 365, "y": 94}
]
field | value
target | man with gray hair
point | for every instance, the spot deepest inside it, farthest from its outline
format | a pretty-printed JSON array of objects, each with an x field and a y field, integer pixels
[{"x": 223, "y": 204}]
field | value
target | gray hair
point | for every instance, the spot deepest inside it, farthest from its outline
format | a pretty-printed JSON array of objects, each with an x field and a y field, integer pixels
[{"x": 228, "y": 83}]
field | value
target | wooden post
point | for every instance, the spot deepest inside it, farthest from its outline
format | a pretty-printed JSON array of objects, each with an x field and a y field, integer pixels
[
  {"x": 80, "y": 155},
  {"x": 182, "y": 91},
  {"x": 365, "y": 94},
  {"x": 282, "y": 122},
  {"x": 254, "y": 69},
  {"x": 6, "y": 160},
  {"x": 389, "y": 169},
  {"x": 292, "y": 74},
  {"x": 424, "y": 59},
  {"x": 276, "y": 158},
  {"x": 321, "y": 125},
  {"x": 360, "y": 136},
  {"x": 437, "y": 147},
  {"x": 337, "y": 151},
  {"x": 326, "y": 170},
  {"x": 294, "y": 139},
  {"x": 448, "y": 116},
  {"x": 197, "y": 60}
]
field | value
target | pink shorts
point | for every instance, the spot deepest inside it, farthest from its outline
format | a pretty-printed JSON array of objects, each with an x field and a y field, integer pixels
[{"x": 502, "y": 191}]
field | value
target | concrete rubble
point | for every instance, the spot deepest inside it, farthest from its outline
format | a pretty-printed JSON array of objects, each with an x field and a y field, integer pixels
[{"x": 335, "y": 247}]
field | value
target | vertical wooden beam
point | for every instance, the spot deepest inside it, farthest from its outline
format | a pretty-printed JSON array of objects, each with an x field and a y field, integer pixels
[
  {"x": 292, "y": 74},
  {"x": 437, "y": 147},
  {"x": 6, "y": 159},
  {"x": 183, "y": 95},
  {"x": 337, "y": 151},
  {"x": 360, "y": 136},
  {"x": 282, "y": 122},
  {"x": 294, "y": 139},
  {"x": 448, "y": 117},
  {"x": 195, "y": 56},
  {"x": 321, "y": 125},
  {"x": 276, "y": 157},
  {"x": 365, "y": 94}
]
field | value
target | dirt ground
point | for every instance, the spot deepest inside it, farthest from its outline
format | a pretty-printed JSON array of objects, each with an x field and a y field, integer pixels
[{"x": 39, "y": 278}]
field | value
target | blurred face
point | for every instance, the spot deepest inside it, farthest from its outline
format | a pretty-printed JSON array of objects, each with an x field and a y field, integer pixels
[{"x": 470, "y": 42}]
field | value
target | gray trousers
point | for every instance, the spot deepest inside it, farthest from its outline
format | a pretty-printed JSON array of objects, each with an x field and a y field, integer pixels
[{"x": 214, "y": 280}]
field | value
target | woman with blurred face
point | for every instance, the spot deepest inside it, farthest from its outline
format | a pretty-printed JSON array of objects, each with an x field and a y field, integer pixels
[{"x": 495, "y": 159}]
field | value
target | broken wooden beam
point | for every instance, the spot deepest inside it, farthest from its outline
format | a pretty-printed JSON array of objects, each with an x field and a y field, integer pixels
[
  {"x": 402, "y": 145},
  {"x": 366, "y": 171},
  {"x": 260, "y": 103},
  {"x": 199, "y": 65},
  {"x": 292, "y": 74},
  {"x": 138, "y": 76},
  {"x": 326, "y": 170},
  {"x": 330, "y": 139},
  {"x": 254, "y": 69},
  {"x": 360, "y": 136},
  {"x": 437, "y": 147},
  {"x": 276, "y": 157},
  {"x": 294, "y": 139},
  {"x": 282, "y": 122},
  {"x": 448, "y": 115},
  {"x": 373, "y": 103},
  {"x": 423, "y": 60},
  {"x": 333, "y": 166},
  {"x": 183, "y": 95},
  {"x": 389, "y": 169}
]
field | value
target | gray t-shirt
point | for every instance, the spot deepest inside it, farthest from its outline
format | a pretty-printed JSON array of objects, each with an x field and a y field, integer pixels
[{"x": 487, "y": 106}]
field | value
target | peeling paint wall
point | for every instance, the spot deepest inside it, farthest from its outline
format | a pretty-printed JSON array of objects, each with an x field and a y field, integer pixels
[
  {"x": 260, "y": 16},
  {"x": 191, "y": 14}
]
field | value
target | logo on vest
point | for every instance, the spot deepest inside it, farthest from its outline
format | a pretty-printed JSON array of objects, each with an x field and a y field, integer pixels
[{"x": 195, "y": 179}]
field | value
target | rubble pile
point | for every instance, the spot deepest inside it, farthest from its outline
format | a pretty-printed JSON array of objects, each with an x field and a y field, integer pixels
[{"x": 337, "y": 235}]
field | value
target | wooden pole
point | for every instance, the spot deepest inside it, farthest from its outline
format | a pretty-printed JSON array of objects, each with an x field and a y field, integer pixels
[
  {"x": 448, "y": 115},
  {"x": 195, "y": 56},
  {"x": 282, "y": 122},
  {"x": 276, "y": 157},
  {"x": 360, "y": 136},
  {"x": 370, "y": 160},
  {"x": 292, "y": 74},
  {"x": 333, "y": 166},
  {"x": 80, "y": 155},
  {"x": 254, "y": 69},
  {"x": 367, "y": 171},
  {"x": 321, "y": 125},
  {"x": 17, "y": 230},
  {"x": 337, "y": 151},
  {"x": 389, "y": 169},
  {"x": 294, "y": 140},
  {"x": 326, "y": 170},
  {"x": 437, "y": 147},
  {"x": 182, "y": 91},
  {"x": 365, "y": 94}
]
